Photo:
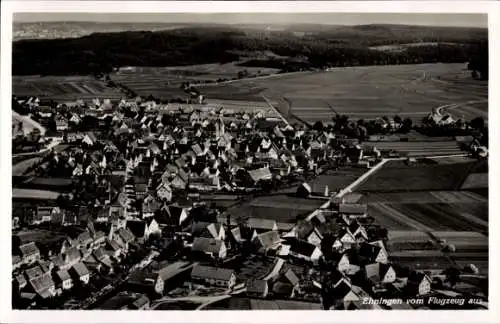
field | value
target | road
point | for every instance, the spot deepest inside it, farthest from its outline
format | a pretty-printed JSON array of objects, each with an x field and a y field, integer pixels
[
  {"x": 276, "y": 111},
  {"x": 52, "y": 144},
  {"x": 363, "y": 177},
  {"x": 28, "y": 120},
  {"x": 449, "y": 107},
  {"x": 262, "y": 77}
]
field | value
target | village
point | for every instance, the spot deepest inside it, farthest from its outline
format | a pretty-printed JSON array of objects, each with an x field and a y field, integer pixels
[{"x": 127, "y": 205}]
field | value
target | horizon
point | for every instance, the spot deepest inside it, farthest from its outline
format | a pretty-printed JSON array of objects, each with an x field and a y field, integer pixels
[{"x": 329, "y": 19}]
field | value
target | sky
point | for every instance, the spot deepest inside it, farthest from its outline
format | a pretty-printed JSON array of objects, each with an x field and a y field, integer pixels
[{"x": 439, "y": 19}]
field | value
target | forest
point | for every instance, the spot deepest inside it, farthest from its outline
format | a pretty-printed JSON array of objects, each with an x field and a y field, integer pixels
[{"x": 284, "y": 49}]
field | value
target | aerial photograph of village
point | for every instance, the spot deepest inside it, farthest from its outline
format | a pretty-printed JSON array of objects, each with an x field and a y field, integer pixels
[{"x": 249, "y": 161}]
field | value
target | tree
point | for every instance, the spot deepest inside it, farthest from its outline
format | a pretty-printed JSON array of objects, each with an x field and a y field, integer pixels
[
  {"x": 318, "y": 126},
  {"x": 397, "y": 119},
  {"x": 477, "y": 123},
  {"x": 452, "y": 275},
  {"x": 406, "y": 125}
]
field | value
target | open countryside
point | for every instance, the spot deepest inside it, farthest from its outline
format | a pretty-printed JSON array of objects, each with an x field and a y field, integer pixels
[{"x": 250, "y": 167}]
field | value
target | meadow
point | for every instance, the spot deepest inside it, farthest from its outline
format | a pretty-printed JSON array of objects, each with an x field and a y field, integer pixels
[
  {"x": 63, "y": 88},
  {"x": 374, "y": 91}
]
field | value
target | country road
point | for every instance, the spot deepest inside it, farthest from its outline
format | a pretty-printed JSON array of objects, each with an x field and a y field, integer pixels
[{"x": 28, "y": 120}]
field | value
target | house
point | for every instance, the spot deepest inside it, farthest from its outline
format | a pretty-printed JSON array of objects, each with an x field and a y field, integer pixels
[
  {"x": 358, "y": 232},
  {"x": 209, "y": 230},
  {"x": 257, "y": 288},
  {"x": 63, "y": 279},
  {"x": 45, "y": 214},
  {"x": 44, "y": 286},
  {"x": 17, "y": 262},
  {"x": 308, "y": 232},
  {"x": 179, "y": 213},
  {"x": 212, "y": 247},
  {"x": 164, "y": 192},
  {"x": 345, "y": 240},
  {"x": 124, "y": 238},
  {"x": 304, "y": 250},
  {"x": 343, "y": 296},
  {"x": 70, "y": 257},
  {"x": 353, "y": 210},
  {"x": 61, "y": 124},
  {"x": 418, "y": 284},
  {"x": 21, "y": 281},
  {"x": 146, "y": 281},
  {"x": 34, "y": 272},
  {"x": 267, "y": 241},
  {"x": 29, "y": 252},
  {"x": 380, "y": 273},
  {"x": 342, "y": 262},
  {"x": 81, "y": 273},
  {"x": 372, "y": 253},
  {"x": 141, "y": 303},
  {"x": 219, "y": 277},
  {"x": 84, "y": 239},
  {"x": 260, "y": 174},
  {"x": 90, "y": 139},
  {"x": 142, "y": 229},
  {"x": 260, "y": 225}
]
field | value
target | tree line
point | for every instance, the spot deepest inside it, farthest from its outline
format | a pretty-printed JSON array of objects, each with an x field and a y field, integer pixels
[{"x": 100, "y": 53}]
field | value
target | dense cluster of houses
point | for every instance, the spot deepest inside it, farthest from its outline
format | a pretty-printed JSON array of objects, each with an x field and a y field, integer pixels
[{"x": 140, "y": 173}]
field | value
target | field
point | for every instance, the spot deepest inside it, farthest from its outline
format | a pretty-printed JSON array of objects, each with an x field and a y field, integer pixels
[
  {"x": 374, "y": 91},
  {"x": 34, "y": 194},
  {"x": 20, "y": 168},
  {"x": 336, "y": 180},
  {"x": 396, "y": 176},
  {"x": 39, "y": 236},
  {"x": 426, "y": 196},
  {"x": 280, "y": 207},
  {"x": 165, "y": 82},
  {"x": 418, "y": 149},
  {"x": 431, "y": 216},
  {"x": 63, "y": 88},
  {"x": 476, "y": 181}
]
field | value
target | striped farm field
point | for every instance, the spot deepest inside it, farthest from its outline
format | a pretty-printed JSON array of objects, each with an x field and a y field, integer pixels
[
  {"x": 374, "y": 91},
  {"x": 63, "y": 88},
  {"x": 431, "y": 216},
  {"x": 396, "y": 176},
  {"x": 418, "y": 149},
  {"x": 476, "y": 181},
  {"x": 423, "y": 197}
]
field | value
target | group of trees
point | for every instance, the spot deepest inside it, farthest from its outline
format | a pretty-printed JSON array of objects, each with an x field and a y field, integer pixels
[{"x": 100, "y": 53}]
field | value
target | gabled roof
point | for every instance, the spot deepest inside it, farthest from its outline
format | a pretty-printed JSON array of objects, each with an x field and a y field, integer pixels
[
  {"x": 126, "y": 235},
  {"x": 256, "y": 286},
  {"x": 341, "y": 290},
  {"x": 204, "y": 229},
  {"x": 261, "y": 223},
  {"x": 80, "y": 269},
  {"x": 260, "y": 174},
  {"x": 355, "y": 209},
  {"x": 34, "y": 272},
  {"x": 63, "y": 275},
  {"x": 137, "y": 227},
  {"x": 207, "y": 245},
  {"x": 42, "y": 283},
  {"x": 302, "y": 247},
  {"x": 292, "y": 277},
  {"x": 268, "y": 240},
  {"x": 200, "y": 271},
  {"x": 369, "y": 251},
  {"x": 377, "y": 271},
  {"x": 72, "y": 254},
  {"x": 29, "y": 249},
  {"x": 85, "y": 238}
]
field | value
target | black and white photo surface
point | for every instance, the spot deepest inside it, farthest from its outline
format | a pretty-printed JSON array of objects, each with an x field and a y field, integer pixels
[{"x": 249, "y": 161}]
